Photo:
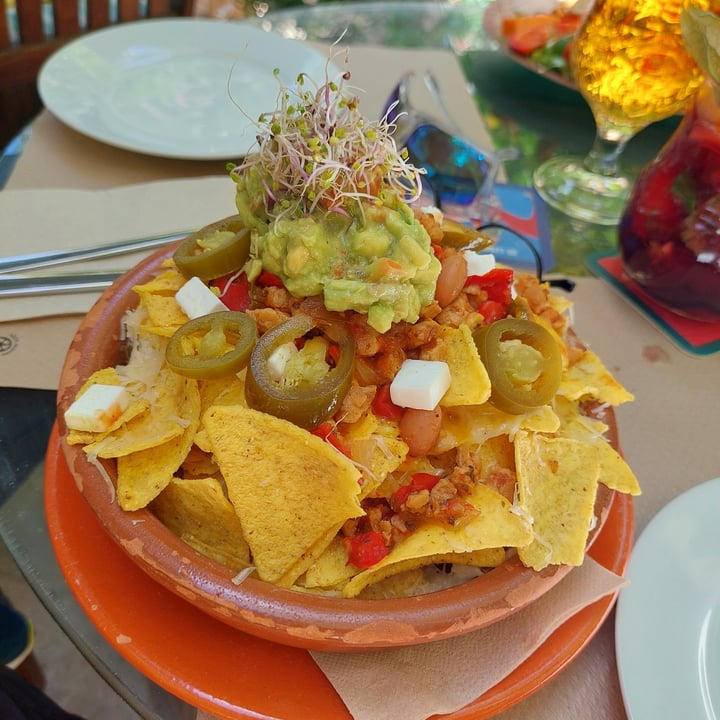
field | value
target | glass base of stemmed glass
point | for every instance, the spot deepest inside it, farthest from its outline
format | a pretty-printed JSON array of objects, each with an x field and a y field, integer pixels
[{"x": 566, "y": 184}]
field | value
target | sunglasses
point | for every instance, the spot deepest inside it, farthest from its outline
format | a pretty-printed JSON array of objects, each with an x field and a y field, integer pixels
[{"x": 460, "y": 177}]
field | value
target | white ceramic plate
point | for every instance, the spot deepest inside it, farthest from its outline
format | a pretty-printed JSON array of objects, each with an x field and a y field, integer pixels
[
  {"x": 181, "y": 88},
  {"x": 668, "y": 617}
]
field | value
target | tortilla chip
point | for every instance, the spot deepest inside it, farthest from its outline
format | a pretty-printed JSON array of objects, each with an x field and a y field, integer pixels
[
  {"x": 157, "y": 298},
  {"x": 198, "y": 512},
  {"x": 308, "y": 558},
  {"x": 164, "y": 315},
  {"x": 166, "y": 283},
  {"x": 198, "y": 464},
  {"x": 589, "y": 378},
  {"x": 495, "y": 526},
  {"x": 615, "y": 473},
  {"x": 143, "y": 475},
  {"x": 376, "y": 456},
  {"x": 164, "y": 422},
  {"x": 330, "y": 569},
  {"x": 557, "y": 484},
  {"x": 470, "y": 382},
  {"x": 290, "y": 489},
  {"x": 478, "y": 423}
]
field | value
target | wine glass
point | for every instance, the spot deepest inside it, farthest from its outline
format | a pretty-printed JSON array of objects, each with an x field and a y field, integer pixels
[{"x": 630, "y": 65}]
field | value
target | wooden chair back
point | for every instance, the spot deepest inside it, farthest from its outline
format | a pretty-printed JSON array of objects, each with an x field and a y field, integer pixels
[{"x": 31, "y": 30}]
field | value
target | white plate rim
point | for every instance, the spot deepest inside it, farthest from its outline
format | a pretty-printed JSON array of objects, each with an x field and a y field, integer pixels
[
  {"x": 64, "y": 79},
  {"x": 669, "y": 613}
]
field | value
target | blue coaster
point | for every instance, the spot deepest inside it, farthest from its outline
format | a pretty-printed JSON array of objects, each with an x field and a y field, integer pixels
[{"x": 524, "y": 211}]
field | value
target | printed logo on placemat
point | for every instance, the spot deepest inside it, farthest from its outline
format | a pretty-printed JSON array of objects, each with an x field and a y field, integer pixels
[{"x": 7, "y": 344}]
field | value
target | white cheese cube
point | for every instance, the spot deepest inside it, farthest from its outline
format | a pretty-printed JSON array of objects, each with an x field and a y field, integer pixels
[
  {"x": 478, "y": 263},
  {"x": 197, "y": 299},
  {"x": 420, "y": 384},
  {"x": 97, "y": 408},
  {"x": 278, "y": 360}
]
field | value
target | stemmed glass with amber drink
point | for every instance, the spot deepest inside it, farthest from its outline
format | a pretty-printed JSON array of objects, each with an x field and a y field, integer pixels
[{"x": 630, "y": 65}]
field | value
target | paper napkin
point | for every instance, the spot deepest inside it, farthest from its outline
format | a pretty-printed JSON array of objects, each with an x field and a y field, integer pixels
[{"x": 417, "y": 682}]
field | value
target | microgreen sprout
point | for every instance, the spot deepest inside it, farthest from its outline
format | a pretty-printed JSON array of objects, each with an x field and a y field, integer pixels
[{"x": 317, "y": 152}]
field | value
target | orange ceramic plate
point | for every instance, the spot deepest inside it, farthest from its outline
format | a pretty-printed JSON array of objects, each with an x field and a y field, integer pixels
[{"x": 235, "y": 675}]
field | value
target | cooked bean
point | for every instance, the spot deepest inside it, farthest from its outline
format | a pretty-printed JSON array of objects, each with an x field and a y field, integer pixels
[
  {"x": 420, "y": 429},
  {"x": 452, "y": 278}
]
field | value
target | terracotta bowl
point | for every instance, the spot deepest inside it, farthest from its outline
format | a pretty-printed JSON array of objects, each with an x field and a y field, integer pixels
[{"x": 254, "y": 606}]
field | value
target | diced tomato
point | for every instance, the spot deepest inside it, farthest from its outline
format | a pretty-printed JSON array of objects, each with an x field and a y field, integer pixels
[
  {"x": 418, "y": 482},
  {"x": 383, "y": 406},
  {"x": 327, "y": 432},
  {"x": 365, "y": 549},
  {"x": 491, "y": 310},
  {"x": 235, "y": 293},
  {"x": 269, "y": 279}
]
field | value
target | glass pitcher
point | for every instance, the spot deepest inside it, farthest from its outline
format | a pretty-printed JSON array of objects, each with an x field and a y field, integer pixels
[{"x": 669, "y": 234}]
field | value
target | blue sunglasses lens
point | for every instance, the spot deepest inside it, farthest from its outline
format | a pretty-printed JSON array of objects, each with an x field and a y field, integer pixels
[{"x": 457, "y": 172}]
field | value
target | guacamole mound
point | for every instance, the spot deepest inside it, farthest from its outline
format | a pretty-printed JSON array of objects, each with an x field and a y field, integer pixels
[{"x": 378, "y": 262}]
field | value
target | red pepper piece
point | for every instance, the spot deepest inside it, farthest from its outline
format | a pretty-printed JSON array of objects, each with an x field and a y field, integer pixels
[
  {"x": 269, "y": 279},
  {"x": 418, "y": 482},
  {"x": 327, "y": 432},
  {"x": 235, "y": 293},
  {"x": 366, "y": 549},
  {"x": 383, "y": 406}
]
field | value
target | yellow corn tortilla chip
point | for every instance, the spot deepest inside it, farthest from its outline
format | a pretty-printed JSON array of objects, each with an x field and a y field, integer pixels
[
  {"x": 376, "y": 457},
  {"x": 198, "y": 512},
  {"x": 164, "y": 315},
  {"x": 615, "y": 473},
  {"x": 308, "y": 558},
  {"x": 470, "y": 383},
  {"x": 478, "y": 423},
  {"x": 105, "y": 376},
  {"x": 330, "y": 569},
  {"x": 198, "y": 464},
  {"x": 143, "y": 475},
  {"x": 164, "y": 422},
  {"x": 401, "y": 584},
  {"x": 557, "y": 483},
  {"x": 157, "y": 298},
  {"x": 166, "y": 283},
  {"x": 496, "y": 525},
  {"x": 589, "y": 378},
  {"x": 289, "y": 488},
  {"x": 486, "y": 558}
]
